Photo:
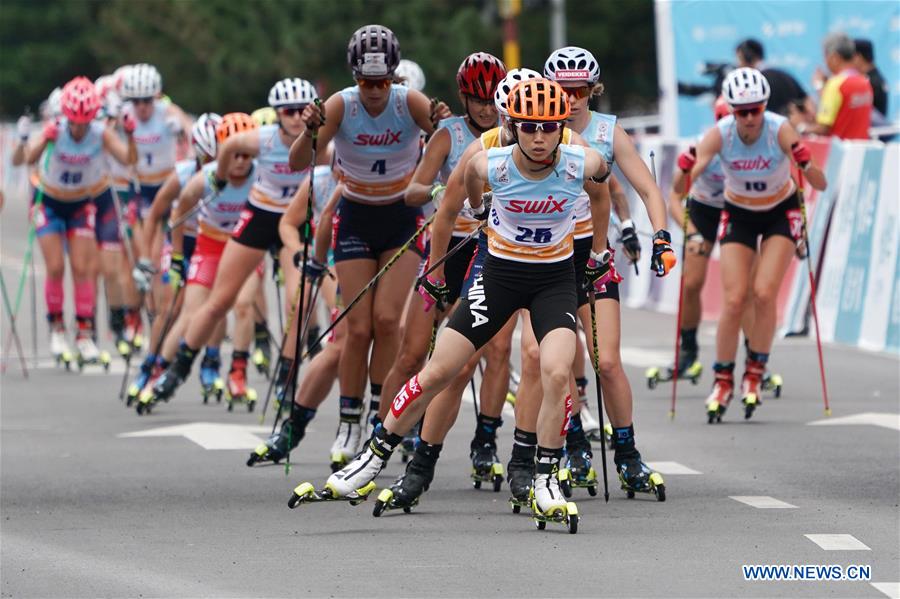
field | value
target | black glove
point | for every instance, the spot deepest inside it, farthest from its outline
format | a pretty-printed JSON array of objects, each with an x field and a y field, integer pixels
[
  {"x": 313, "y": 269},
  {"x": 631, "y": 245},
  {"x": 434, "y": 292},
  {"x": 663, "y": 259},
  {"x": 215, "y": 183},
  {"x": 483, "y": 211}
]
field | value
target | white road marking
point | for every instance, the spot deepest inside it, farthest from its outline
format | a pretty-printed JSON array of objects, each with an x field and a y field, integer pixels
[
  {"x": 671, "y": 468},
  {"x": 890, "y": 589},
  {"x": 884, "y": 419},
  {"x": 762, "y": 501},
  {"x": 208, "y": 435},
  {"x": 838, "y": 542}
]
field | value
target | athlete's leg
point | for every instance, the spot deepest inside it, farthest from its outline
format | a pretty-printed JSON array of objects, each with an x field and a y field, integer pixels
[
  {"x": 774, "y": 259},
  {"x": 528, "y": 399},
  {"x": 736, "y": 261},
  {"x": 353, "y": 276}
]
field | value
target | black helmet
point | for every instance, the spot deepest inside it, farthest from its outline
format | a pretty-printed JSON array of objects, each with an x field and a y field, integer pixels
[{"x": 373, "y": 51}]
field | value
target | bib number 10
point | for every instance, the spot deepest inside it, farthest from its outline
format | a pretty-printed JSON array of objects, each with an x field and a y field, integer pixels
[
  {"x": 755, "y": 185},
  {"x": 534, "y": 235}
]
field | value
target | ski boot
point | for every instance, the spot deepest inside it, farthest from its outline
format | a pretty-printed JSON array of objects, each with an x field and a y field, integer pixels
[
  {"x": 578, "y": 473},
  {"x": 520, "y": 474},
  {"x": 410, "y": 440},
  {"x": 134, "y": 329},
  {"x": 86, "y": 351},
  {"x": 349, "y": 432},
  {"x": 772, "y": 382},
  {"x": 688, "y": 368},
  {"x": 166, "y": 385},
  {"x": 117, "y": 326},
  {"x": 140, "y": 381},
  {"x": 276, "y": 446},
  {"x": 353, "y": 483},
  {"x": 237, "y": 391},
  {"x": 722, "y": 392},
  {"x": 211, "y": 383},
  {"x": 59, "y": 347},
  {"x": 405, "y": 492},
  {"x": 636, "y": 477},
  {"x": 486, "y": 466},
  {"x": 750, "y": 387},
  {"x": 146, "y": 395},
  {"x": 547, "y": 501},
  {"x": 262, "y": 354}
]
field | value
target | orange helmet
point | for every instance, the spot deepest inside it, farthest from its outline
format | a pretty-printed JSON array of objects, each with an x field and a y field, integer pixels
[
  {"x": 234, "y": 122},
  {"x": 538, "y": 100}
]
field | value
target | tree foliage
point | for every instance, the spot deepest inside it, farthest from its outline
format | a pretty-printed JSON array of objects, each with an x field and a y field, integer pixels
[{"x": 223, "y": 55}]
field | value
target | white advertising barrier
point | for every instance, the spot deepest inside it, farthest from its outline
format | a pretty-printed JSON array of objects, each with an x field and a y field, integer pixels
[{"x": 858, "y": 294}]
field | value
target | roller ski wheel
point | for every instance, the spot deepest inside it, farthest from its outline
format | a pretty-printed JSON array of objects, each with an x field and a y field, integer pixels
[
  {"x": 123, "y": 348},
  {"x": 494, "y": 475},
  {"x": 260, "y": 359},
  {"x": 636, "y": 477},
  {"x": 714, "y": 412},
  {"x": 751, "y": 402},
  {"x": 145, "y": 403},
  {"x": 751, "y": 386},
  {"x": 720, "y": 397},
  {"x": 307, "y": 493},
  {"x": 653, "y": 377},
  {"x": 216, "y": 390},
  {"x": 569, "y": 481},
  {"x": 566, "y": 515},
  {"x": 774, "y": 383},
  {"x": 486, "y": 467},
  {"x": 404, "y": 494},
  {"x": 276, "y": 446},
  {"x": 689, "y": 368},
  {"x": 248, "y": 398},
  {"x": 519, "y": 478}
]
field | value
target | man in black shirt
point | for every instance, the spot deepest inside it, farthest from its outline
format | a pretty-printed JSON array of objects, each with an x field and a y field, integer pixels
[
  {"x": 864, "y": 61},
  {"x": 787, "y": 97}
]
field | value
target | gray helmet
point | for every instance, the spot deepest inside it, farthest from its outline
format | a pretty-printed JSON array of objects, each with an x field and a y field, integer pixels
[{"x": 373, "y": 52}]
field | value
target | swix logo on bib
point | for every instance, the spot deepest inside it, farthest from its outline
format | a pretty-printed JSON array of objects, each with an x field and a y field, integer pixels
[
  {"x": 410, "y": 391},
  {"x": 573, "y": 75},
  {"x": 147, "y": 139},
  {"x": 76, "y": 159},
  {"x": 373, "y": 64},
  {"x": 477, "y": 304},
  {"x": 760, "y": 163},
  {"x": 548, "y": 206},
  {"x": 387, "y": 138}
]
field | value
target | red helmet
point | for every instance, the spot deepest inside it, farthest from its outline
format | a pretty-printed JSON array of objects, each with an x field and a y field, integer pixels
[
  {"x": 479, "y": 74},
  {"x": 80, "y": 100},
  {"x": 721, "y": 108}
]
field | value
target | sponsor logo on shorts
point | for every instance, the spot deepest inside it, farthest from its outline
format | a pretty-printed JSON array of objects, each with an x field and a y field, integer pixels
[{"x": 477, "y": 302}]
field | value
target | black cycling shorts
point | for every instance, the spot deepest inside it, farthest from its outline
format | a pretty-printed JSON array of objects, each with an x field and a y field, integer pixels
[
  {"x": 457, "y": 265},
  {"x": 505, "y": 286},
  {"x": 705, "y": 219},
  {"x": 257, "y": 228},
  {"x": 368, "y": 230},
  {"x": 739, "y": 225}
]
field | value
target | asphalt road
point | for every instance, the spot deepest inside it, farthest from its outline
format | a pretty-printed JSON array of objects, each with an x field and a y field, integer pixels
[{"x": 88, "y": 512}]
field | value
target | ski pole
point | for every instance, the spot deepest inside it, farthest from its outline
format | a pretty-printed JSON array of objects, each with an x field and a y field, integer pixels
[
  {"x": 387, "y": 266},
  {"x": 812, "y": 291},
  {"x": 684, "y": 226},
  {"x": 452, "y": 251},
  {"x": 596, "y": 362},
  {"x": 197, "y": 208},
  {"x": 13, "y": 333},
  {"x": 278, "y": 362}
]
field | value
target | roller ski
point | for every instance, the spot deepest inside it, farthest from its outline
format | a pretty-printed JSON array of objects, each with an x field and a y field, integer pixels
[
  {"x": 86, "y": 351},
  {"x": 405, "y": 492},
  {"x": 59, "y": 347},
  {"x": 772, "y": 382},
  {"x": 165, "y": 386},
  {"x": 140, "y": 382},
  {"x": 134, "y": 331},
  {"x": 579, "y": 472},
  {"x": 520, "y": 475},
  {"x": 720, "y": 397},
  {"x": 117, "y": 325},
  {"x": 211, "y": 384},
  {"x": 751, "y": 387},
  {"x": 689, "y": 368},
  {"x": 547, "y": 501},
  {"x": 262, "y": 354},
  {"x": 486, "y": 466},
  {"x": 276, "y": 446},
  {"x": 236, "y": 389},
  {"x": 353, "y": 483},
  {"x": 636, "y": 477}
]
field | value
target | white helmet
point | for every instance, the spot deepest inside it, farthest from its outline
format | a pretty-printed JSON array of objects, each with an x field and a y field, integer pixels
[
  {"x": 572, "y": 64},
  {"x": 745, "y": 86},
  {"x": 513, "y": 78},
  {"x": 141, "y": 81},
  {"x": 203, "y": 134},
  {"x": 292, "y": 92},
  {"x": 410, "y": 74}
]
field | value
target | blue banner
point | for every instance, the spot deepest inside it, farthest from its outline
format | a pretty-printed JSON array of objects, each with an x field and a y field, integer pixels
[{"x": 792, "y": 34}]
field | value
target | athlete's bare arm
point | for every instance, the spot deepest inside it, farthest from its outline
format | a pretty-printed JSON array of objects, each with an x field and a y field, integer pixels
[
  {"x": 124, "y": 153},
  {"x": 246, "y": 142},
  {"x": 787, "y": 137},
  {"x": 333, "y": 111},
  {"x": 189, "y": 197},
  {"x": 420, "y": 110},
  {"x": 708, "y": 147},
  {"x": 418, "y": 192},
  {"x": 160, "y": 206},
  {"x": 637, "y": 173}
]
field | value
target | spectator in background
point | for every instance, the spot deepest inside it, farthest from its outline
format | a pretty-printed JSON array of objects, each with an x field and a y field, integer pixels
[
  {"x": 864, "y": 61},
  {"x": 788, "y": 98},
  {"x": 845, "y": 107}
]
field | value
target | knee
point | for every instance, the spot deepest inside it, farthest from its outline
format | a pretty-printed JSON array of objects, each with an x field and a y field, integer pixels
[
  {"x": 608, "y": 363},
  {"x": 385, "y": 323},
  {"x": 531, "y": 357},
  {"x": 733, "y": 302},
  {"x": 217, "y": 307},
  {"x": 408, "y": 362},
  {"x": 55, "y": 270},
  {"x": 358, "y": 332},
  {"x": 764, "y": 295},
  {"x": 556, "y": 376},
  {"x": 498, "y": 351},
  {"x": 243, "y": 308}
]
